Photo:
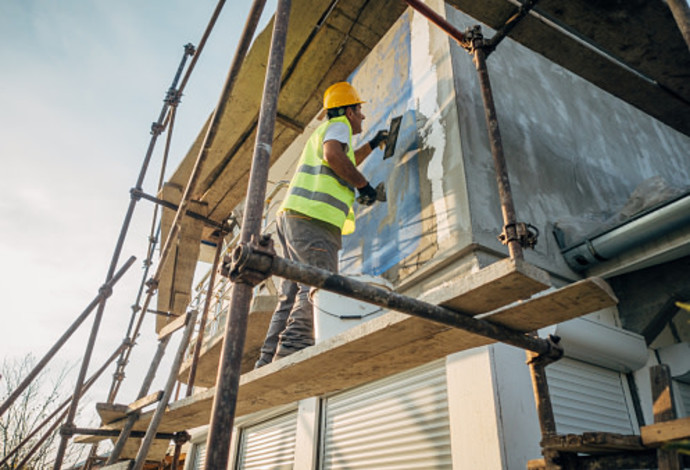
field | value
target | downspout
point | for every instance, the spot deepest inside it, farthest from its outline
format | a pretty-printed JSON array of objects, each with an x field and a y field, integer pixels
[{"x": 645, "y": 227}]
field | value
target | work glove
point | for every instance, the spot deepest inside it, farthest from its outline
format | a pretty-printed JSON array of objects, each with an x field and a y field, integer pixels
[
  {"x": 367, "y": 195},
  {"x": 381, "y": 138}
]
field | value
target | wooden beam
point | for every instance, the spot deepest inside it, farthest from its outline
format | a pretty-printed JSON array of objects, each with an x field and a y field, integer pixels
[
  {"x": 386, "y": 345},
  {"x": 173, "y": 326},
  {"x": 654, "y": 435},
  {"x": 664, "y": 411},
  {"x": 145, "y": 401},
  {"x": 594, "y": 442}
]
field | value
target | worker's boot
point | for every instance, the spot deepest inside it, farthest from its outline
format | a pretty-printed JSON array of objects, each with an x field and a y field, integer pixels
[{"x": 263, "y": 360}]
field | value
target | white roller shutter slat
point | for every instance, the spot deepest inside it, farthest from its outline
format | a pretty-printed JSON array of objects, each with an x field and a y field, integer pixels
[
  {"x": 269, "y": 445},
  {"x": 396, "y": 423},
  {"x": 586, "y": 397},
  {"x": 199, "y": 455},
  {"x": 684, "y": 398}
]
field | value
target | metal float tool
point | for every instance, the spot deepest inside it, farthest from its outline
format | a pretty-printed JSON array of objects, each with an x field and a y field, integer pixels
[{"x": 392, "y": 137}]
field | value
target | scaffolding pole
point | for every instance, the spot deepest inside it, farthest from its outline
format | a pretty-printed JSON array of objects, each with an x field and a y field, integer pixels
[
  {"x": 57, "y": 422},
  {"x": 104, "y": 292},
  {"x": 225, "y": 399},
  {"x": 251, "y": 263},
  {"x": 514, "y": 234},
  {"x": 137, "y": 192},
  {"x": 167, "y": 393},
  {"x": 156, "y": 128},
  {"x": 204, "y": 316}
]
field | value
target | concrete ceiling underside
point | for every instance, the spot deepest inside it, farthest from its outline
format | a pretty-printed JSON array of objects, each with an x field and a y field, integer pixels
[{"x": 647, "y": 64}]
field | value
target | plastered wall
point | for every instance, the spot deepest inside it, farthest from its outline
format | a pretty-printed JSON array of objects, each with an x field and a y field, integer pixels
[{"x": 574, "y": 152}]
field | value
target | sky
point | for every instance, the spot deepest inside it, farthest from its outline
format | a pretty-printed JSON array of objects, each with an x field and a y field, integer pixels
[{"x": 81, "y": 83}]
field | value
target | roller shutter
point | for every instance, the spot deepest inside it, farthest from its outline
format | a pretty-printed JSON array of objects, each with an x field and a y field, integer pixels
[
  {"x": 269, "y": 445},
  {"x": 396, "y": 423},
  {"x": 198, "y": 456},
  {"x": 586, "y": 397},
  {"x": 683, "y": 398}
]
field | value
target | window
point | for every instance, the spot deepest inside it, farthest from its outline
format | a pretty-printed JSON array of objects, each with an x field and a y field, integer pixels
[
  {"x": 399, "y": 422},
  {"x": 586, "y": 397},
  {"x": 269, "y": 445}
]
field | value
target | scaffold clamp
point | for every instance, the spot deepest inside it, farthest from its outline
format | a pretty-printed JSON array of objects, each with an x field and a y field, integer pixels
[
  {"x": 554, "y": 353},
  {"x": 525, "y": 234},
  {"x": 250, "y": 263}
]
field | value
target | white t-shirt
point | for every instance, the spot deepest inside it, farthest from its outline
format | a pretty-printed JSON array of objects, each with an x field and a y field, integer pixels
[{"x": 338, "y": 131}]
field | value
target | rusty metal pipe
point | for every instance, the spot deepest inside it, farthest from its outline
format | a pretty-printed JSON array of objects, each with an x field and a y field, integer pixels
[
  {"x": 225, "y": 400},
  {"x": 189, "y": 213},
  {"x": 478, "y": 46},
  {"x": 119, "y": 374},
  {"x": 104, "y": 291},
  {"x": 155, "y": 131},
  {"x": 438, "y": 20},
  {"x": 233, "y": 73},
  {"x": 502, "y": 179},
  {"x": 62, "y": 407},
  {"x": 202, "y": 43},
  {"x": 152, "y": 429},
  {"x": 509, "y": 25},
  {"x": 320, "y": 278},
  {"x": 143, "y": 391},
  {"x": 114, "y": 433},
  {"x": 204, "y": 316},
  {"x": 542, "y": 397}
]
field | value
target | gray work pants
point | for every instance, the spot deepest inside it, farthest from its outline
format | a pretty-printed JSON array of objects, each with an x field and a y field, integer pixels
[{"x": 307, "y": 241}]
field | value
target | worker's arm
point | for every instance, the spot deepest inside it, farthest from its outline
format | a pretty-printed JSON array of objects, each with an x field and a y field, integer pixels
[
  {"x": 334, "y": 154},
  {"x": 363, "y": 152}
]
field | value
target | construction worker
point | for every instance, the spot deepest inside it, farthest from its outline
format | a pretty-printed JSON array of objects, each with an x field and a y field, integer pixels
[{"x": 317, "y": 211}]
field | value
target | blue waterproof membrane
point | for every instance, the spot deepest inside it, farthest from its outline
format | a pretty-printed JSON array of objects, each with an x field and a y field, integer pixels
[{"x": 387, "y": 232}]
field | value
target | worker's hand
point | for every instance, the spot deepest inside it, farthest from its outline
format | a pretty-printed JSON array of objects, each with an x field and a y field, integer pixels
[
  {"x": 381, "y": 138},
  {"x": 367, "y": 195}
]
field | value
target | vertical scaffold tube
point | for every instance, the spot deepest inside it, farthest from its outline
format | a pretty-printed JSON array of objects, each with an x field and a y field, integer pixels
[
  {"x": 504, "y": 192},
  {"x": 227, "y": 383},
  {"x": 204, "y": 316}
]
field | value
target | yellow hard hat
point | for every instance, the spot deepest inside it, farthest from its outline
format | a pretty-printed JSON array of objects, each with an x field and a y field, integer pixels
[{"x": 340, "y": 94}]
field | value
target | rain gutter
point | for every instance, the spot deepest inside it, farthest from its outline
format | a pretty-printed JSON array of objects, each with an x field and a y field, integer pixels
[{"x": 645, "y": 227}]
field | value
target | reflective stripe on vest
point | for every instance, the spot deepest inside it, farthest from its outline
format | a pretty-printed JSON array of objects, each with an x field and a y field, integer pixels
[{"x": 315, "y": 189}]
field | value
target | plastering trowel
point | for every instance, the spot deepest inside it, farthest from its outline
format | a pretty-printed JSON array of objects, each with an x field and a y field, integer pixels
[{"x": 392, "y": 137}]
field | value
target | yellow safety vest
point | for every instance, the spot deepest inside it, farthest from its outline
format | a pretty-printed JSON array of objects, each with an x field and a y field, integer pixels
[{"x": 315, "y": 189}]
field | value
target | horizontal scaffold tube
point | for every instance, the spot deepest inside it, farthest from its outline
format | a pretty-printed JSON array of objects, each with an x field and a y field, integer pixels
[{"x": 246, "y": 258}]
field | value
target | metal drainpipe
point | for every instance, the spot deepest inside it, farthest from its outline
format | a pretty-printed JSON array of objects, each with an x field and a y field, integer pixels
[
  {"x": 648, "y": 226},
  {"x": 225, "y": 399}
]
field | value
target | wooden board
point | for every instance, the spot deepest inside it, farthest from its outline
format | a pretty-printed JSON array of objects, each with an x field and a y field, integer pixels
[
  {"x": 175, "y": 284},
  {"x": 593, "y": 442},
  {"x": 111, "y": 412},
  {"x": 494, "y": 286},
  {"x": 571, "y": 301},
  {"x": 125, "y": 465},
  {"x": 383, "y": 346},
  {"x": 260, "y": 313},
  {"x": 659, "y": 433}
]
